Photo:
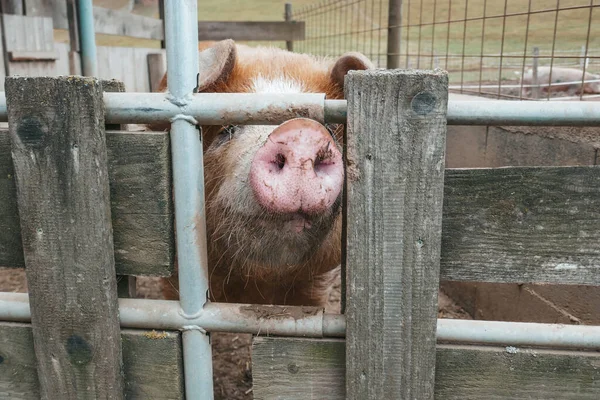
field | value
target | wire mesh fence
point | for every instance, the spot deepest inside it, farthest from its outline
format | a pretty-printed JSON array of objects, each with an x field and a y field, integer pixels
[{"x": 517, "y": 49}]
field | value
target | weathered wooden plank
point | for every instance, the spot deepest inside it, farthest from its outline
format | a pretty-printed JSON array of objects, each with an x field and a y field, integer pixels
[
  {"x": 106, "y": 21},
  {"x": 126, "y": 284},
  {"x": 11, "y": 7},
  {"x": 156, "y": 70},
  {"x": 113, "y": 22},
  {"x": 527, "y": 224},
  {"x": 395, "y": 145},
  {"x": 251, "y": 30},
  {"x": 32, "y": 56},
  {"x": 471, "y": 372},
  {"x": 142, "y": 210},
  {"x": 11, "y": 248},
  {"x": 152, "y": 364},
  {"x": 286, "y": 368},
  {"x": 59, "y": 156},
  {"x": 290, "y": 368},
  {"x": 26, "y": 35},
  {"x": 56, "y": 9}
]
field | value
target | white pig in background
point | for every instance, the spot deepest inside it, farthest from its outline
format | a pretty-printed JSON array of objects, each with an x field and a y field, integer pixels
[
  {"x": 273, "y": 193},
  {"x": 561, "y": 74}
]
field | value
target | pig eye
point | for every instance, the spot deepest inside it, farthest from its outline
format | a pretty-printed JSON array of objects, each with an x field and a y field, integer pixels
[
  {"x": 229, "y": 130},
  {"x": 225, "y": 134}
]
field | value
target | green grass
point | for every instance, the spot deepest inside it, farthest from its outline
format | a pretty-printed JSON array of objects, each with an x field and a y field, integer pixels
[{"x": 422, "y": 44}]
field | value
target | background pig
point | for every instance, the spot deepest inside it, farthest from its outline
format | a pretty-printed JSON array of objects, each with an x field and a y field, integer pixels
[
  {"x": 560, "y": 74},
  {"x": 273, "y": 193}
]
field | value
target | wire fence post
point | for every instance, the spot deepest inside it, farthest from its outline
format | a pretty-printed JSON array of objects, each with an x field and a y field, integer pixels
[
  {"x": 394, "y": 34},
  {"x": 289, "y": 44},
  {"x": 535, "y": 89}
]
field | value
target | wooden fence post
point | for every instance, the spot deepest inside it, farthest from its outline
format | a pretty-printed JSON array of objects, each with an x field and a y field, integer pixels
[
  {"x": 11, "y": 7},
  {"x": 395, "y": 149},
  {"x": 59, "y": 154},
  {"x": 126, "y": 284},
  {"x": 289, "y": 44},
  {"x": 156, "y": 70}
]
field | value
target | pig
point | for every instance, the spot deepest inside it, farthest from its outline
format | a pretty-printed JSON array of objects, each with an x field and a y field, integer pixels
[
  {"x": 560, "y": 74},
  {"x": 273, "y": 193}
]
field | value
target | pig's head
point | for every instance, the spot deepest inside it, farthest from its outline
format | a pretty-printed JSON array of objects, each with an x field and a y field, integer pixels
[{"x": 273, "y": 193}]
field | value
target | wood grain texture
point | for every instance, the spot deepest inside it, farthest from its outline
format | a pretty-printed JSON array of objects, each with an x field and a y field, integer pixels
[
  {"x": 521, "y": 225},
  {"x": 126, "y": 284},
  {"x": 29, "y": 35},
  {"x": 152, "y": 364},
  {"x": 473, "y": 373},
  {"x": 142, "y": 210},
  {"x": 106, "y": 21},
  {"x": 11, "y": 7},
  {"x": 157, "y": 68},
  {"x": 298, "y": 369},
  {"x": 56, "y": 9},
  {"x": 251, "y": 30},
  {"x": 284, "y": 368},
  {"x": 32, "y": 56},
  {"x": 11, "y": 247},
  {"x": 395, "y": 147},
  {"x": 59, "y": 156},
  {"x": 114, "y": 22}
]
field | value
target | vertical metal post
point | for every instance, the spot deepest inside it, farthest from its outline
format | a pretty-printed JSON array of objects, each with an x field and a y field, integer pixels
[
  {"x": 289, "y": 44},
  {"x": 394, "y": 34},
  {"x": 87, "y": 39},
  {"x": 535, "y": 89},
  {"x": 181, "y": 36}
]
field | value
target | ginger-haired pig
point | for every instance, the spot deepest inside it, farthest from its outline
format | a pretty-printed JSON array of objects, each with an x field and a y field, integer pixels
[{"x": 273, "y": 193}]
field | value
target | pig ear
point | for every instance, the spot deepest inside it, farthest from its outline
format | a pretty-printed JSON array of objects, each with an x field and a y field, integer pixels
[
  {"x": 215, "y": 64},
  {"x": 351, "y": 61}
]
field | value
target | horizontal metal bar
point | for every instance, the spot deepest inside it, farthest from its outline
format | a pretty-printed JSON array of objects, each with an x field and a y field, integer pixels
[
  {"x": 523, "y": 113},
  {"x": 272, "y": 109},
  {"x": 214, "y": 317},
  {"x": 313, "y": 322},
  {"x": 518, "y": 333},
  {"x": 214, "y": 108}
]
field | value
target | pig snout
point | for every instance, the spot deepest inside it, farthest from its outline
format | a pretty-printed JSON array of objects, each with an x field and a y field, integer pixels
[{"x": 298, "y": 169}]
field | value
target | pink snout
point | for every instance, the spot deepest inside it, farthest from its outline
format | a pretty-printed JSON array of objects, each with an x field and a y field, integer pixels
[{"x": 298, "y": 169}]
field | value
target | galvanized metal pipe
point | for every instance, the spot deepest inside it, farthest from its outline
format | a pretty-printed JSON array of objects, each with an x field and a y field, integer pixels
[
  {"x": 87, "y": 38},
  {"x": 263, "y": 109},
  {"x": 181, "y": 36},
  {"x": 215, "y": 108},
  {"x": 272, "y": 109},
  {"x": 518, "y": 334},
  {"x": 524, "y": 113},
  {"x": 312, "y": 322}
]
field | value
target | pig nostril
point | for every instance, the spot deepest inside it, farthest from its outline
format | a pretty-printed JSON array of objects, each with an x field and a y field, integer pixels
[{"x": 280, "y": 160}]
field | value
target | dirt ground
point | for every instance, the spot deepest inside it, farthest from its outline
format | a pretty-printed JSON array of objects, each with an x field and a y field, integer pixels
[{"x": 232, "y": 364}]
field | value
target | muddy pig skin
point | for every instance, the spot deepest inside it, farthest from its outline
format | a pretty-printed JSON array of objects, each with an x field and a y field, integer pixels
[{"x": 273, "y": 193}]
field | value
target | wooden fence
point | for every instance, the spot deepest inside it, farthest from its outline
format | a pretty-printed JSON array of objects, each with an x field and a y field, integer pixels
[
  {"x": 529, "y": 224},
  {"x": 413, "y": 223}
]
